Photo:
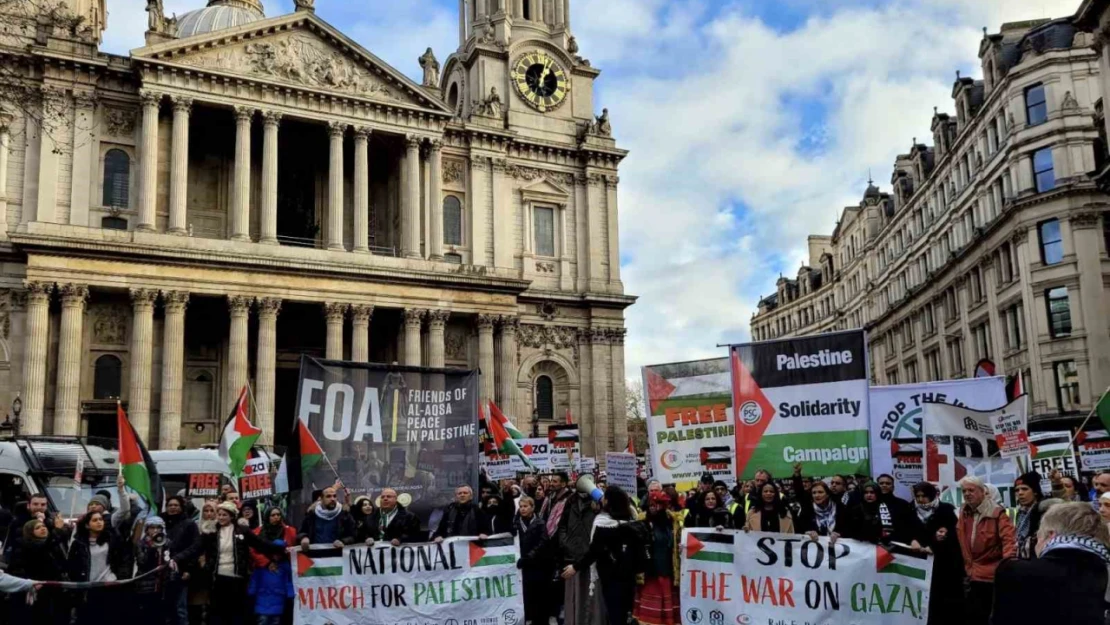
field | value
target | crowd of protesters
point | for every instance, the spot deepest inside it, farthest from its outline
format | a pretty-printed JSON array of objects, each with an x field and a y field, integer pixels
[{"x": 582, "y": 562}]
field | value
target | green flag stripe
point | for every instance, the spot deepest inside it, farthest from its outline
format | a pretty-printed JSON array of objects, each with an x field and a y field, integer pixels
[
  {"x": 240, "y": 452},
  {"x": 323, "y": 571},
  {"x": 907, "y": 571},
  {"x": 138, "y": 479},
  {"x": 494, "y": 560},
  {"x": 712, "y": 556},
  {"x": 1103, "y": 410},
  {"x": 310, "y": 460},
  {"x": 692, "y": 401}
]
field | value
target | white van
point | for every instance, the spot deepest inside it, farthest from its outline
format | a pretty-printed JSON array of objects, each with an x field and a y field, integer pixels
[{"x": 41, "y": 464}]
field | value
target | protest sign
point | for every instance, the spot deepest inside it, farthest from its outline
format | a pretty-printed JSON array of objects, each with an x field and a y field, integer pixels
[
  {"x": 1010, "y": 431},
  {"x": 1051, "y": 451},
  {"x": 586, "y": 464},
  {"x": 802, "y": 400},
  {"x": 498, "y": 467},
  {"x": 755, "y": 578},
  {"x": 620, "y": 471},
  {"x": 564, "y": 446},
  {"x": 1094, "y": 450},
  {"x": 689, "y": 406},
  {"x": 960, "y": 441},
  {"x": 460, "y": 580},
  {"x": 201, "y": 485},
  {"x": 411, "y": 429},
  {"x": 256, "y": 482},
  {"x": 896, "y": 443}
]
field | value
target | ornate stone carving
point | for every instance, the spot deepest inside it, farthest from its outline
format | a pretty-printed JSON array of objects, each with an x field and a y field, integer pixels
[
  {"x": 239, "y": 304},
  {"x": 1020, "y": 235},
  {"x": 486, "y": 322},
  {"x": 336, "y": 128},
  {"x": 508, "y": 324},
  {"x": 362, "y": 312},
  {"x": 150, "y": 98},
  {"x": 19, "y": 300},
  {"x": 244, "y": 113},
  {"x": 611, "y": 182},
  {"x": 175, "y": 300},
  {"x": 430, "y": 65},
  {"x": 299, "y": 58},
  {"x": 491, "y": 106},
  {"x": 182, "y": 103},
  {"x": 413, "y": 141},
  {"x": 118, "y": 122},
  {"x": 549, "y": 337},
  {"x": 453, "y": 171},
  {"x": 334, "y": 311},
  {"x": 109, "y": 325},
  {"x": 85, "y": 99},
  {"x": 438, "y": 318},
  {"x": 604, "y": 126},
  {"x": 271, "y": 118},
  {"x": 305, "y": 5},
  {"x": 599, "y": 336},
  {"x": 1080, "y": 221},
  {"x": 545, "y": 267},
  {"x": 523, "y": 172},
  {"x": 141, "y": 298},
  {"x": 454, "y": 344},
  {"x": 73, "y": 293},
  {"x": 616, "y": 335},
  {"x": 5, "y": 313},
  {"x": 547, "y": 310},
  {"x": 1069, "y": 103},
  {"x": 413, "y": 316}
]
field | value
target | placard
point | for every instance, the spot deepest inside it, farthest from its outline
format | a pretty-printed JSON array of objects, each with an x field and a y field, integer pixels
[
  {"x": 1010, "y": 430},
  {"x": 203, "y": 485},
  {"x": 256, "y": 482},
  {"x": 620, "y": 471},
  {"x": 1094, "y": 450},
  {"x": 960, "y": 441}
]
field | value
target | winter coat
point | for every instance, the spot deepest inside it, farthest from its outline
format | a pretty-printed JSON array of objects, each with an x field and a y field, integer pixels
[
  {"x": 288, "y": 539},
  {"x": 245, "y": 540},
  {"x": 121, "y": 559},
  {"x": 271, "y": 589},
  {"x": 573, "y": 535},
  {"x": 345, "y": 530},
  {"x": 615, "y": 550},
  {"x": 42, "y": 561},
  {"x": 462, "y": 520},
  {"x": 755, "y": 521},
  {"x": 1062, "y": 586},
  {"x": 534, "y": 552},
  {"x": 868, "y": 526},
  {"x": 20, "y": 518},
  {"x": 994, "y": 541},
  {"x": 182, "y": 540},
  {"x": 404, "y": 526},
  {"x": 947, "y": 589},
  {"x": 806, "y": 521},
  {"x": 700, "y": 517},
  {"x": 147, "y": 558}
]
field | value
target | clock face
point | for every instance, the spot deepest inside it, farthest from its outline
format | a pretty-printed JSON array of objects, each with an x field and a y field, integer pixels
[{"x": 541, "y": 81}]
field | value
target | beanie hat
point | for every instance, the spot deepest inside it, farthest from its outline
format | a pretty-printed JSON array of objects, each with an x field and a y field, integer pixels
[
  {"x": 100, "y": 499},
  {"x": 1033, "y": 481},
  {"x": 229, "y": 508}
]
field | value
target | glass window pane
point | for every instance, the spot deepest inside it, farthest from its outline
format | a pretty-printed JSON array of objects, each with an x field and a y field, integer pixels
[
  {"x": 545, "y": 231},
  {"x": 545, "y": 397},
  {"x": 452, "y": 221},
  {"x": 1035, "y": 106},
  {"x": 1067, "y": 386},
  {"x": 1059, "y": 312},
  {"x": 1043, "y": 170},
  {"x": 1052, "y": 244},
  {"x": 117, "y": 179}
]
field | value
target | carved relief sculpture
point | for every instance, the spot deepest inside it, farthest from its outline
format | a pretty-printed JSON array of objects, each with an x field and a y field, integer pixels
[
  {"x": 119, "y": 123},
  {"x": 453, "y": 171},
  {"x": 110, "y": 325},
  {"x": 1069, "y": 103}
]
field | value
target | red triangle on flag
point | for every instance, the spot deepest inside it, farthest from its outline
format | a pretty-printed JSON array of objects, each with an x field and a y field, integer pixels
[
  {"x": 883, "y": 558},
  {"x": 658, "y": 389},
  {"x": 476, "y": 553},
  {"x": 303, "y": 563},
  {"x": 753, "y": 412},
  {"x": 243, "y": 425},
  {"x": 693, "y": 546},
  {"x": 309, "y": 446},
  {"x": 1080, "y": 438},
  {"x": 1033, "y": 450}
]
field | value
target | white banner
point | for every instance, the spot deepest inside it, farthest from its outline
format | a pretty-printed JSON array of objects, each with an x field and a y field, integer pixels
[
  {"x": 737, "y": 578},
  {"x": 960, "y": 441},
  {"x": 896, "y": 443},
  {"x": 620, "y": 471},
  {"x": 461, "y": 580},
  {"x": 1094, "y": 450}
]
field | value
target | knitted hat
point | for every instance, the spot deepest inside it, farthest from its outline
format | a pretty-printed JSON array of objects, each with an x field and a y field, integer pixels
[
  {"x": 101, "y": 500},
  {"x": 1033, "y": 481},
  {"x": 229, "y": 508}
]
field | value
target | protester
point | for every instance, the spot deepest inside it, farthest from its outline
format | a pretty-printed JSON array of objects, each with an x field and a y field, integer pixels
[
  {"x": 534, "y": 562},
  {"x": 98, "y": 554},
  {"x": 612, "y": 559},
  {"x": 362, "y": 512},
  {"x": 227, "y": 559},
  {"x": 820, "y": 514},
  {"x": 498, "y": 516},
  {"x": 1068, "y": 580},
  {"x": 1067, "y": 488},
  {"x": 770, "y": 513},
  {"x": 1104, "y": 506},
  {"x": 200, "y": 583},
  {"x": 248, "y": 511},
  {"x": 710, "y": 513},
  {"x": 150, "y": 575},
  {"x": 657, "y": 601},
  {"x": 1027, "y": 513},
  {"x": 574, "y": 527},
  {"x": 936, "y": 535},
  {"x": 272, "y": 529},
  {"x": 462, "y": 517},
  {"x": 39, "y": 556},
  {"x": 327, "y": 523},
  {"x": 395, "y": 524},
  {"x": 271, "y": 586},
  {"x": 36, "y": 508},
  {"x": 838, "y": 485},
  {"x": 986, "y": 538},
  {"x": 878, "y": 519}
]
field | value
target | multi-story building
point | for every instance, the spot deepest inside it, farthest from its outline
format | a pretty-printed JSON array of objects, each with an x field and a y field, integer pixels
[
  {"x": 244, "y": 189},
  {"x": 992, "y": 242}
]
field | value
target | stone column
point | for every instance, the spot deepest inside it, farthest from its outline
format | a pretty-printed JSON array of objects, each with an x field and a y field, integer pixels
[
  {"x": 518, "y": 8},
  {"x": 507, "y": 385},
  {"x": 585, "y": 395},
  {"x": 566, "y": 13},
  {"x": 410, "y": 199},
  {"x": 601, "y": 414},
  {"x": 462, "y": 23},
  {"x": 5, "y": 148},
  {"x": 362, "y": 191},
  {"x": 241, "y": 186},
  {"x": 268, "y": 309},
  {"x": 237, "y": 373},
  {"x": 173, "y": 368},
  {"x": 34, "y": 373},
  {"x": 271, "y": 120},
  {"x": 82, "y": 178},
  {"x": 437, "y": 324},
  {"x": 179, "y": 165},
  {"x": 335, "y": 185},
  {"x": 148, "y": 163},
  {"x": 486, "y": 364},
  {"x": 335, "y": 314},
  {"x": 1092, "y": 299},
  {"x": 435, "y": 200},
  {"x": 360, "y": 332},
  {"x": 142, "y": 339},
  {"x": 620, "y": 425},
  {"x": 560, "y": 13},
  {"x": 67, "y": 398},
  {"x": 538, "y": 11},
  {"x": 412, "y": 321}
]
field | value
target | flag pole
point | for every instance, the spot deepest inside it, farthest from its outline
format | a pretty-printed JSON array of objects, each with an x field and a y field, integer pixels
[{"x": 1092, "y": 413}]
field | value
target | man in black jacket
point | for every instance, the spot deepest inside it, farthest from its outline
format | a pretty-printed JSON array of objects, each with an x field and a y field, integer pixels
[
  {"x": 183, "y": 545},
  {"x": 573, "y": 542},
  {"x": 1069, "y": 577},
  {"x": 395, "y": 524},
  {"x": 462, "y": 518},
  {"x": 327, "y": 523},
  {"x": 37, "y": 507}
]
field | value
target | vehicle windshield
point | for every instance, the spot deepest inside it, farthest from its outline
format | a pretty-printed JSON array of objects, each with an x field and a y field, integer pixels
[{"x": 71, "y": 502}]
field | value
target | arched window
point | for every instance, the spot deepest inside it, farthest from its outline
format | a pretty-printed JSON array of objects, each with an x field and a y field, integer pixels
[
  {"x": 117, "y": 179},
  {"x": 545, "y": 397},
  {"x": 108, "y": 377},
  {"x": 453, "y": 97},
  {"x": 452, "y": 221}
]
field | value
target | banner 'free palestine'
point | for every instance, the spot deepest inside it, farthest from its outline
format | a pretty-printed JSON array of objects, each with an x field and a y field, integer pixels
[{"x": 802, "y": 400}]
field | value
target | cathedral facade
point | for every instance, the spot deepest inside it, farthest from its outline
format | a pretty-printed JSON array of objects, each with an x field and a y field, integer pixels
[{"x": 192, "y": 217}]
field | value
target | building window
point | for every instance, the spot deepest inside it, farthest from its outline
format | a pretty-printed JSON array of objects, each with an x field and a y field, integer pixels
[
  {"x": 932, "y": 363},
  {"x": 1043, "y": 173},
  {"x": 1036, "y": 109},
  {"x": 976, "y": 279},
  {"x": 982, "y": 336},
  {"x": 911, "y": 372},
  {"x": 1059, "y": 312},
  {"x": 107, "y": 377},
  {"x": 545, "y": 398},
  {"x": 1006, "y": 264},
  {"x": 927, "y": 319},
  {"x": 454, "y": 259},
  {"x": 544, "y": 230},
  {"x": 1052, "y": 242},
  {"x": 892, "y": 376},
  {"x": 1067, "y": 386},
  {"x": 109, "y": 222},
  {"x": 452, "y": 221},
  {"x": 1012, "y": 317},
  {"x": 956, "y": 357},
  {"x": 117, "y": 179},
  {"x": 951, "y": 303}
]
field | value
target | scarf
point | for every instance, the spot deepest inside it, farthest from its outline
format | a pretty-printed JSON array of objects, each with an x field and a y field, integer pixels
[
  {"x": 555, "y": 514},
  {"x": 1078, "y": 543},
  {"x": 925, "y": 511},
  {"x": 826, "y": 518},
  {"x": 1024, "y": 523},
  {"x": 328, "y": 515},
  {"x": 273, "y": 532}
]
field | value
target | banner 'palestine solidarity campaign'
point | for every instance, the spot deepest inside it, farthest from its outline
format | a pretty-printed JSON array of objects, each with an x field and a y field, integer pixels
[
  {"x": 690, "y": 426},
  {"x": 802, "y": 400}
]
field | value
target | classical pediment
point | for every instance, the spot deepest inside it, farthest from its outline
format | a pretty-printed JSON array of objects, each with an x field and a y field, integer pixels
[
  {"x": 545, "y": 190},
  {"x": 298, "y": 50}
]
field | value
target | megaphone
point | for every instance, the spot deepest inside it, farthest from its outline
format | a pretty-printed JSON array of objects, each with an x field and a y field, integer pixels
[{"x": 586, "y": 486}]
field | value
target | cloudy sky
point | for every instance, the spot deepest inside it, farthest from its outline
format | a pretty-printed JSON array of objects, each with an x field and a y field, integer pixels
[{"x": 751, "y": 124}]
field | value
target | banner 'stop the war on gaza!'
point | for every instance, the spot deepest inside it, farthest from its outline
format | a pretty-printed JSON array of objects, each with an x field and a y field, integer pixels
[{"x": 802, "y": 400}]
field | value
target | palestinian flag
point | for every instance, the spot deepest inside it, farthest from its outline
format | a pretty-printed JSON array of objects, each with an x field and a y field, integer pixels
[
  {"x": 563, "y": 436},
  {"x": 504, "y": 444},
  {"x": 710, "y": 547},
  {"x": 494, "y": 551},
  {"x": 716, "y": 456},
  {"x": 239, "y": 437},
  {"x": 320, "y": 563},
  {"x": 1102, "y": 409},
  {"x": 311, "y": 453},
  {"x": 496, "y": 415},
  {"x": 135, "y": 463},
  {"x": 887, "y": 564}
]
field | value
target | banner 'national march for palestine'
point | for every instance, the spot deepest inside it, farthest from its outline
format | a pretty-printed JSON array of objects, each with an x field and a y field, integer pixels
[{"x": 802, "y": 400}]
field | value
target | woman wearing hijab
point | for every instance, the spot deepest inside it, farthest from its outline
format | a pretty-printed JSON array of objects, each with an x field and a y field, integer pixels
[
  {"x": 769, "y": 513},
  {"x": 273, "y": 528},
  {"x": 271, "y": 581},
  {"x": 366, "y": 527},
  {"x": 657, "y": 600},
  {"x": 711, "y": 513},
  {"x": 38, "y": 556},
  {"x": 611, "y": 561},
  {"x": 937, "y": 535},
  {"x": 200, "y": 583},
  {"x": 498, "y": 514},
  {"x": 876, "y": 520}
]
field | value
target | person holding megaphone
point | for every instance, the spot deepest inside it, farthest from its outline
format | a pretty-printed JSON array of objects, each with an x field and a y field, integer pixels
[{"x": 613, "y": 559}]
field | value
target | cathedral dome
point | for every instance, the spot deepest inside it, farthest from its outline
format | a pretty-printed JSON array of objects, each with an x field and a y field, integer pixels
[{"x": 218, "y": 15}]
